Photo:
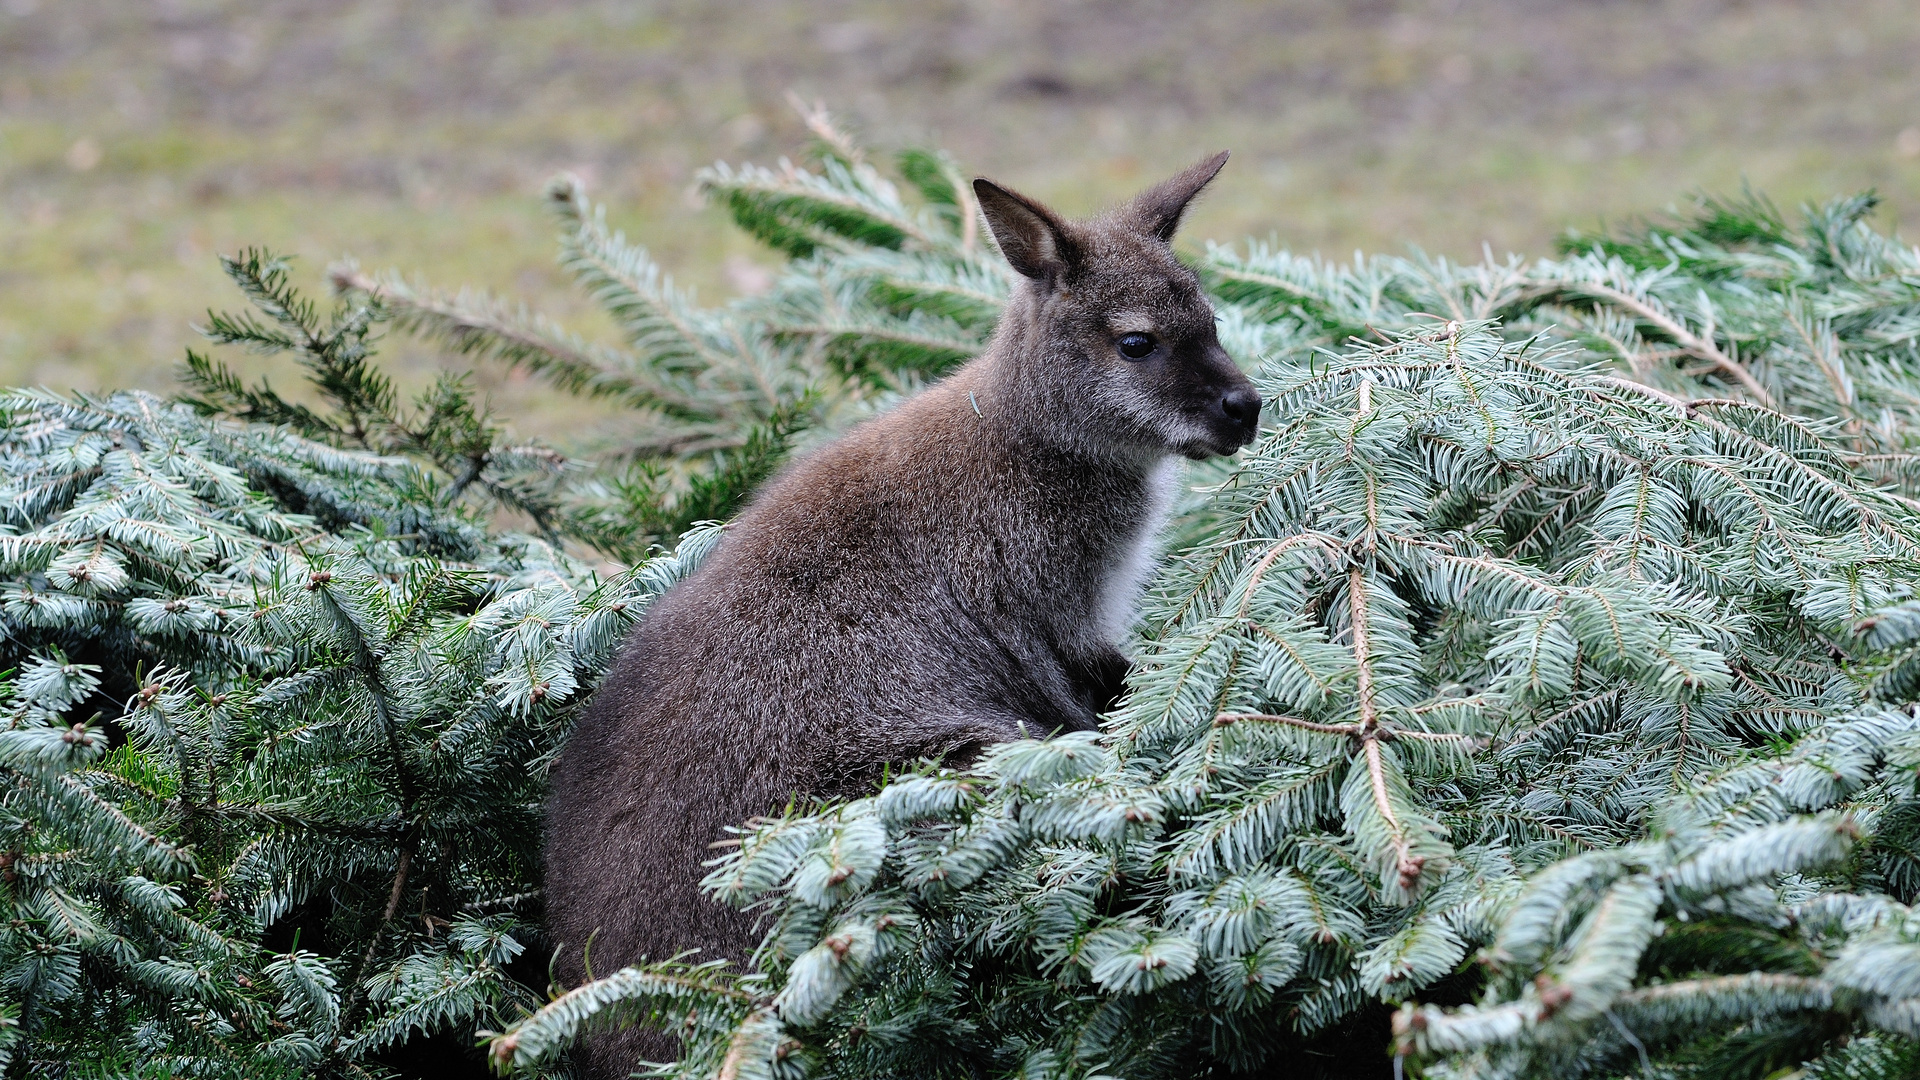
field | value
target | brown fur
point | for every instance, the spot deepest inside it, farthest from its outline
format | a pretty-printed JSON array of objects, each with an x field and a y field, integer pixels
[{"x": 944, "y": 577}]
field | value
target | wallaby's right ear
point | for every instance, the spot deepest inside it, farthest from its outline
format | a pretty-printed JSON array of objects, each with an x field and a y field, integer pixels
[{"x": 1034, "y": 239}]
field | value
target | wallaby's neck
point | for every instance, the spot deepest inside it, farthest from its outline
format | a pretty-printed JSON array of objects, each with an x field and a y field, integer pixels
[{"x": 1093, "y": 505}]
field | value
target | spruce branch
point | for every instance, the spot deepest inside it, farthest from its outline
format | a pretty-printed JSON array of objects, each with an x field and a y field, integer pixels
[{"x": 1700, "y": 345}]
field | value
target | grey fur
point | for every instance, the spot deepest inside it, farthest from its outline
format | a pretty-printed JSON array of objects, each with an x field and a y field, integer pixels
[{"x": 944, "y": 577}]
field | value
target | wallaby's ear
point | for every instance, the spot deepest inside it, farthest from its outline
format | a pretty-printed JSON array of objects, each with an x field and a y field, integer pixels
[
  {"x": 1157, "y": 210},
  {"x": 1034, "y": 239}
]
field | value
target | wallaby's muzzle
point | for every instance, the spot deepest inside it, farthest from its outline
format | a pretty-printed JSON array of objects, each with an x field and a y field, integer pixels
[
  {"x": 1231, "y": 405},
  {"x": 1233, "y": 422}
]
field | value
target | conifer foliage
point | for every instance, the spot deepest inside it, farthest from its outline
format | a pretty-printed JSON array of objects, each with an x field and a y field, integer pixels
[
  {"x": 1534, "y": 699},
  {"x": 271, "y": 805},
  {"x": 1472, "y": 610},
  {"x": 466, "y": 461},
  {"x": 1540, "y": 675}
]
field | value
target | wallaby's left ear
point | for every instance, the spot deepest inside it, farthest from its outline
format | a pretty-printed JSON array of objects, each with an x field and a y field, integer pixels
[{"x": 1157, "y": 210}]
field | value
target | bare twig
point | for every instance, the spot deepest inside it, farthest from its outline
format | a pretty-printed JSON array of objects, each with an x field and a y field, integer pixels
[{"x": 1224, "y": 719}]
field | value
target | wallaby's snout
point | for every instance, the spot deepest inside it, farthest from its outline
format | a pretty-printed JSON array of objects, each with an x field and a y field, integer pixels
[
  {"x": 1121, "y": 326},
  {"x": 1209, "y": 407},
  {"x": 1241, "y": 406}
]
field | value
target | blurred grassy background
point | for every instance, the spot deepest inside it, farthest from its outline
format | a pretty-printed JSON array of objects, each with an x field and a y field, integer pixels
[{"x": 138, "y": 139}]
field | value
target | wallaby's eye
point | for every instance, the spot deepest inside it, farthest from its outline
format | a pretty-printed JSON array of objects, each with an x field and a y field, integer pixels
[{"x": 1136, "y": 346}]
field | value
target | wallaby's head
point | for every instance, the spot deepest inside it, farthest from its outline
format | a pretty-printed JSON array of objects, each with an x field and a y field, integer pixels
[{"x": 1116, "y": 328}]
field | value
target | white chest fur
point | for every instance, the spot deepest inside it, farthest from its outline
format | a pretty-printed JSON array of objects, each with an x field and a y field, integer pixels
[{"x": 1132, "y": 564}]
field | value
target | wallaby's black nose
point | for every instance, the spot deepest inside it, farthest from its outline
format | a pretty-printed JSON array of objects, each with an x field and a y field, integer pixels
[{"x": 1243, "y": 407}]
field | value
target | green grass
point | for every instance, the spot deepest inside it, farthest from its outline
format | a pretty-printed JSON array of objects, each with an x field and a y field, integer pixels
[{"x": 138, "y": 140}]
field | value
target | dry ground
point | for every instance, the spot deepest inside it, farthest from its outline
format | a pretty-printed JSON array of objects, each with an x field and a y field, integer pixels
[{"x": 138, "y": 139}]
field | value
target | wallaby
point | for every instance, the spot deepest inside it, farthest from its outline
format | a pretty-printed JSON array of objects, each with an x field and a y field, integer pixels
[{"x": 955, "y": 573}]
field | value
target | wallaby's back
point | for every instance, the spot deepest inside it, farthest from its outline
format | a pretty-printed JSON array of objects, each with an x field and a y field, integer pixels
[{"x": 955, "y": 573}]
